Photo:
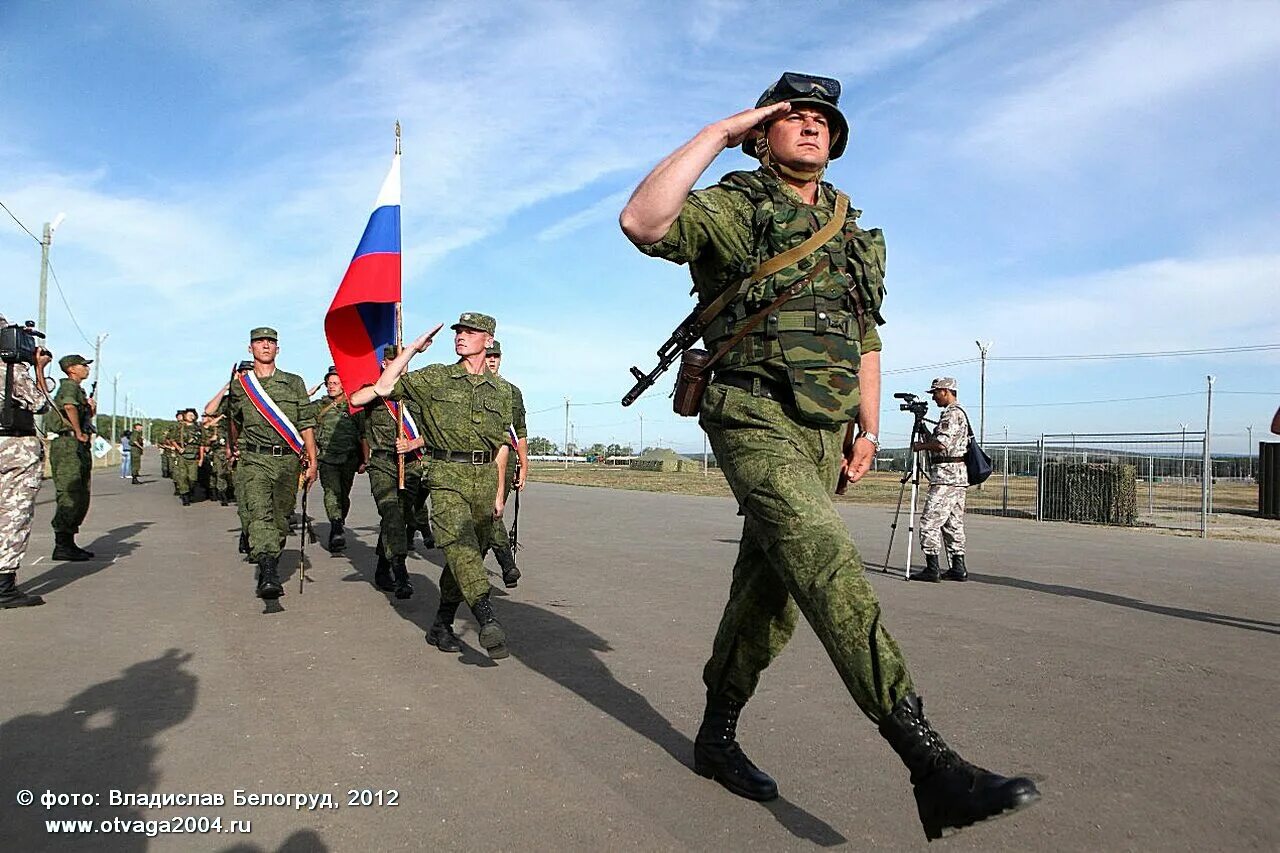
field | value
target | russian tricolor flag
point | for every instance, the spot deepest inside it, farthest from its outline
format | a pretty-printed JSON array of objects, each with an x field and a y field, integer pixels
[{"x": 362, "y": 318}]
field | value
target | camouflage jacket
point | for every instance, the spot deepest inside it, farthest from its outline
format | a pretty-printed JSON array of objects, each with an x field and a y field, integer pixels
[
  {"x": 136, "y": 442},
  {"x": 337, "y": 432},
  {"x": 289, "y": 393},
  {"x": 189, "y": 437},
  {"x": 814, "y": 341},
  {"x": 69, "y": 393},
  {"x": 460, "y": 411},
  {"x": 953, "y": 432}
]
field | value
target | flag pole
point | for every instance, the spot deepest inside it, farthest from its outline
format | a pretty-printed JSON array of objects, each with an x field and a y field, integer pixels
[{"x": 400, "y": 348}]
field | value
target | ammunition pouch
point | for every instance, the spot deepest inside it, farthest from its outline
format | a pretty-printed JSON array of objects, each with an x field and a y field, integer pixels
[{"x": 691, "y": 381}]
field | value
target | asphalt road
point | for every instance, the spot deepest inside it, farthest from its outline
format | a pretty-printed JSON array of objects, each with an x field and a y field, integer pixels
[{"x": 1135, "y": 677}]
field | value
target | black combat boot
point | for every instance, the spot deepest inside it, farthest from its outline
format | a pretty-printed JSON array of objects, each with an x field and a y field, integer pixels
[
  {"x": 950, "y": 792},
  {"x": 186, "y": 499},
  {"x": 11, "y": 596},
  {"x": 507, "y": 560},
  {"x": 428, "y": 541},
  {"x": 492, "y": 637},
  {"x": 716, "y": 754},
  {"x": 244, "y": 542},
  {"x": 404, "y": 589},
  {"x": 441, "y": 634},
  {"x": 382, "y": 574},
  {"x": 931, "y": 571},
  {"x": 269, "y": 578},
  {"x": 136, "y": 481},
  {"x": 65, "y": 548},
  {"x": 957, "y": 572},
  {"x": 337, "y": 541}
]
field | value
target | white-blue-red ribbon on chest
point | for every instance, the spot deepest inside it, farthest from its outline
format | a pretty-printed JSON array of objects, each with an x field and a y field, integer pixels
[
  {"x": 401, "y": 413},
  {"x": 271, "y": 412}
]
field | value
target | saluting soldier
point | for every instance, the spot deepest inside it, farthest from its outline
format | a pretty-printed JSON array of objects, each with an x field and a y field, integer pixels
[
  {"x": 69, "y": 456},
  {"x": 136, "y": 444},
  {"x": 800, "y": 359},
  {"x": 341, "y": 457},
  {"x": 397, "y": 507},
  {"x": 517, "y": 469},
  {"x": 465, "y": 414},
  {"x": 272, "y": 425}
]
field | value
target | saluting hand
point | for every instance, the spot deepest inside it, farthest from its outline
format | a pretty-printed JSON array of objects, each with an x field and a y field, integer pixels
[
  {"x": 738, "y": 126},
  {"x": 424, "y": 341}
]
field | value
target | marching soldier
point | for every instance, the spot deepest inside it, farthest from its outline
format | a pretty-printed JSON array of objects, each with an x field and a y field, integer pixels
[
  {"x": 794, "y": 288},
  {"x": 517, "y": 471},
  {"x": 213, "y": 457},
  {"x": 465, "y": 414},
  {"x": 397, "y": 507},
  {"x": 187, "y": 441},
  {"x": 271, "y": 439},
  {"x": 341, "y": 457},
  {"x": 136, "y": 444},
  {"x": 69, "y": 456},
  {"x": 943, "y": 515}
]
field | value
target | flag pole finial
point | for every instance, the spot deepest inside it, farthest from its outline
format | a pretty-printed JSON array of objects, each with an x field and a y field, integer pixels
[{"x": 397, "y": 136}]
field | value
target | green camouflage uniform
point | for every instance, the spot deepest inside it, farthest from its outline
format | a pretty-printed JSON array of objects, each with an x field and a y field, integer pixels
[
  {"x": 266, "y": 481},
  {"x": 781, "y": 457},
  {"x": 466, "y": 413},
  {"x": 501, "y": 539},
  {"x": 397, "y": 508},
  {"x": 71, "y": 460},
  {"x": 215, "y": 456},
  {"x": 338, "y": 449},
  {"x": 166, "y": 455},
  {"x": 136, "y": 444},
  {"x": 185, "y": 466}
]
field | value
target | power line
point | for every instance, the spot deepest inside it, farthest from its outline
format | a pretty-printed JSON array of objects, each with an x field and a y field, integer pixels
[
  {"x": 1092, "y": 402},
  {"x": 1154, "y": 354},
  {"x": 67, "y": 305},
  {"x": 19, "y": 221}
]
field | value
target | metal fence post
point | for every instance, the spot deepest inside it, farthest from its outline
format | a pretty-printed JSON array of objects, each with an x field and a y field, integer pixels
[
  {"x": 1040, "y": 482},
  {"x": 1151, "y": 486},
  {"x": 1004, "y": 495},
  {"x": 1206, "y": 463}
]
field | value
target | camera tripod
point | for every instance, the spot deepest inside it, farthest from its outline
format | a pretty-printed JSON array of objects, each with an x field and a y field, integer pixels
[{"x": 912, "y": 476}]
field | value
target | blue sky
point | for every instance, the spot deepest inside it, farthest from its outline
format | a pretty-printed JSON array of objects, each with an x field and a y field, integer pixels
[{"x": 1058, "y": 178}]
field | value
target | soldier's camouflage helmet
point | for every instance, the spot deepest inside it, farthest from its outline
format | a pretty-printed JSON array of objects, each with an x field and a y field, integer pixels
[
  {"x": 479, "y": 322},
  {"x": 798, "y": 89}
]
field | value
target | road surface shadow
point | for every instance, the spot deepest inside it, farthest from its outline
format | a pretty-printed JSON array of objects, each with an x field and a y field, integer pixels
[
  {"x": 102, "y": 739},
  {"x": 1240, "y": 622},
  {"x": 302, "y": 841},
  {"x": 111, "y": 546}
]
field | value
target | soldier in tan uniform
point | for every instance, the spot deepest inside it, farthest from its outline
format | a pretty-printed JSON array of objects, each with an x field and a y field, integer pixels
[
  {"x": 21, "y": 460},
  {"x": 942, "y": 520}
]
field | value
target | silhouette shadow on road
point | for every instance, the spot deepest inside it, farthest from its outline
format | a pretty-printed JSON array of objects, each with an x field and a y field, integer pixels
[
  {"x": 103, "y": 738},
  {"x": 1240, "y": 622},
  {"x": 111, "y": 546},
  {"x": 302, "y": 841}
]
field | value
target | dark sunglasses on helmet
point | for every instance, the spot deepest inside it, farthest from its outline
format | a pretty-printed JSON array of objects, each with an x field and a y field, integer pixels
[{"x": 793, "y": 85}]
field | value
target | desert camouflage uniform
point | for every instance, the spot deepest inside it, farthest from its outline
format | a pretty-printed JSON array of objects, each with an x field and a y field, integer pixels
[
  {"x": 943, "y": 515},
  {"x": 781, "y": 456},
  {"x": 21, "y": 464}
]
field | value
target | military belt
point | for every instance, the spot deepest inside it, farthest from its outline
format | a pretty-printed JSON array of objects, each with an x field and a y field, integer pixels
[
  {"x": 268, "y": 449},
  {"x": 473, "y": 457},
  {"x": 934, "y": 460},
  {"x": 803, "y": 321},
  {"x": 758, "y": 386},
  {"x": 16, "y": 433}
]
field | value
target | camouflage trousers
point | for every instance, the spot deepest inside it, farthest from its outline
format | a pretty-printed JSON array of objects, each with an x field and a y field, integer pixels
[
  {"x": 501, "y": 539},
  {"x": 72, "y": 467},
  {"x": 462, "y": 520},
  {"x": 795, "y": 557},
  {"x": 266, "y": 491},
  {"x": 336, "y": 480},
  {"x": 186, "y": 471},
  {"x": 20, "y": 470},
  {"x": 943, "y": 520},
  {"x": 135, "y": 462},
  {"x": 166, "y": 464},
  {"x": 219, "y": 470},
  {"x": 397, "y": 508}
]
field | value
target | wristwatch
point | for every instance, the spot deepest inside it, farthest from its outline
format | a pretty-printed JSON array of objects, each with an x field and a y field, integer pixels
[{"x": 871, "y": 437}]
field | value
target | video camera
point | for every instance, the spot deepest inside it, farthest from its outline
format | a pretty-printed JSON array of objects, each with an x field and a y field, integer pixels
[
  {"x": 911, "y": 403},
  {"x": 18, "y": 344}
]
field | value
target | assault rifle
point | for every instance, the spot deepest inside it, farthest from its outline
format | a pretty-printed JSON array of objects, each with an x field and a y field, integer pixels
[{"x": 684, "y": 337}]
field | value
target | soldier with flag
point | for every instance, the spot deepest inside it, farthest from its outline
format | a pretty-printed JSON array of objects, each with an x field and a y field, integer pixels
[{"x": 271, "y": 437}]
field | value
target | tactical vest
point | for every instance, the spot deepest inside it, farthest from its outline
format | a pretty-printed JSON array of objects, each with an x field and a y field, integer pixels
[{"x": 815, "y": 337}]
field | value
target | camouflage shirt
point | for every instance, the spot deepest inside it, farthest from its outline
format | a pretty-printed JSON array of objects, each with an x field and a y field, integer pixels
[
  {"x": 189, "y": 437},
  {"x": 69, "y": 394},
  {"x": 135, "y": 441},
  {"x": 337, "y": 431},
  {"x": 379, "y": 428},
  {"x": 460, "y": 411},
  {"x": 953, "y": 432},
  {"x": 289, "y": 393}
]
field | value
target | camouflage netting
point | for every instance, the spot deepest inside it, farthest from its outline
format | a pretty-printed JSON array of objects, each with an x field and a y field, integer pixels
[
  {"x": 1090, "y": 492},
  {"x": 663, "y": 460}
]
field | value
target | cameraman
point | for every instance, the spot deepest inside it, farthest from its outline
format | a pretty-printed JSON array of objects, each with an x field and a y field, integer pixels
[
  {"x": 943, "y": 516},
  {"x": 21, "y": 461}
]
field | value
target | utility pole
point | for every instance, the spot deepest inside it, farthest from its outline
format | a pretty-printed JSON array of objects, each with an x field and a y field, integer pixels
[
  {"x": 115, "y": 394},
  {"x": 1250, "y": 429},
  {"x": 1183, "y": 475},
  {"x": 641, "y": 451},
  {"x": 43, "y": 315},
  {"x": 982, "y": 391},
  {"x": 566, "y": 433},
  {"x": 1206, "y": 476}
]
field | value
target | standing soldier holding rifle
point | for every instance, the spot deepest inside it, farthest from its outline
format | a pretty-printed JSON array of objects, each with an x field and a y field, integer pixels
[
  {"x": 136, "y": 444},
  {"x": 789, "y": 290},
  {"x": 69, "y": 456},
  {"x": 272, "y": 425}
]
